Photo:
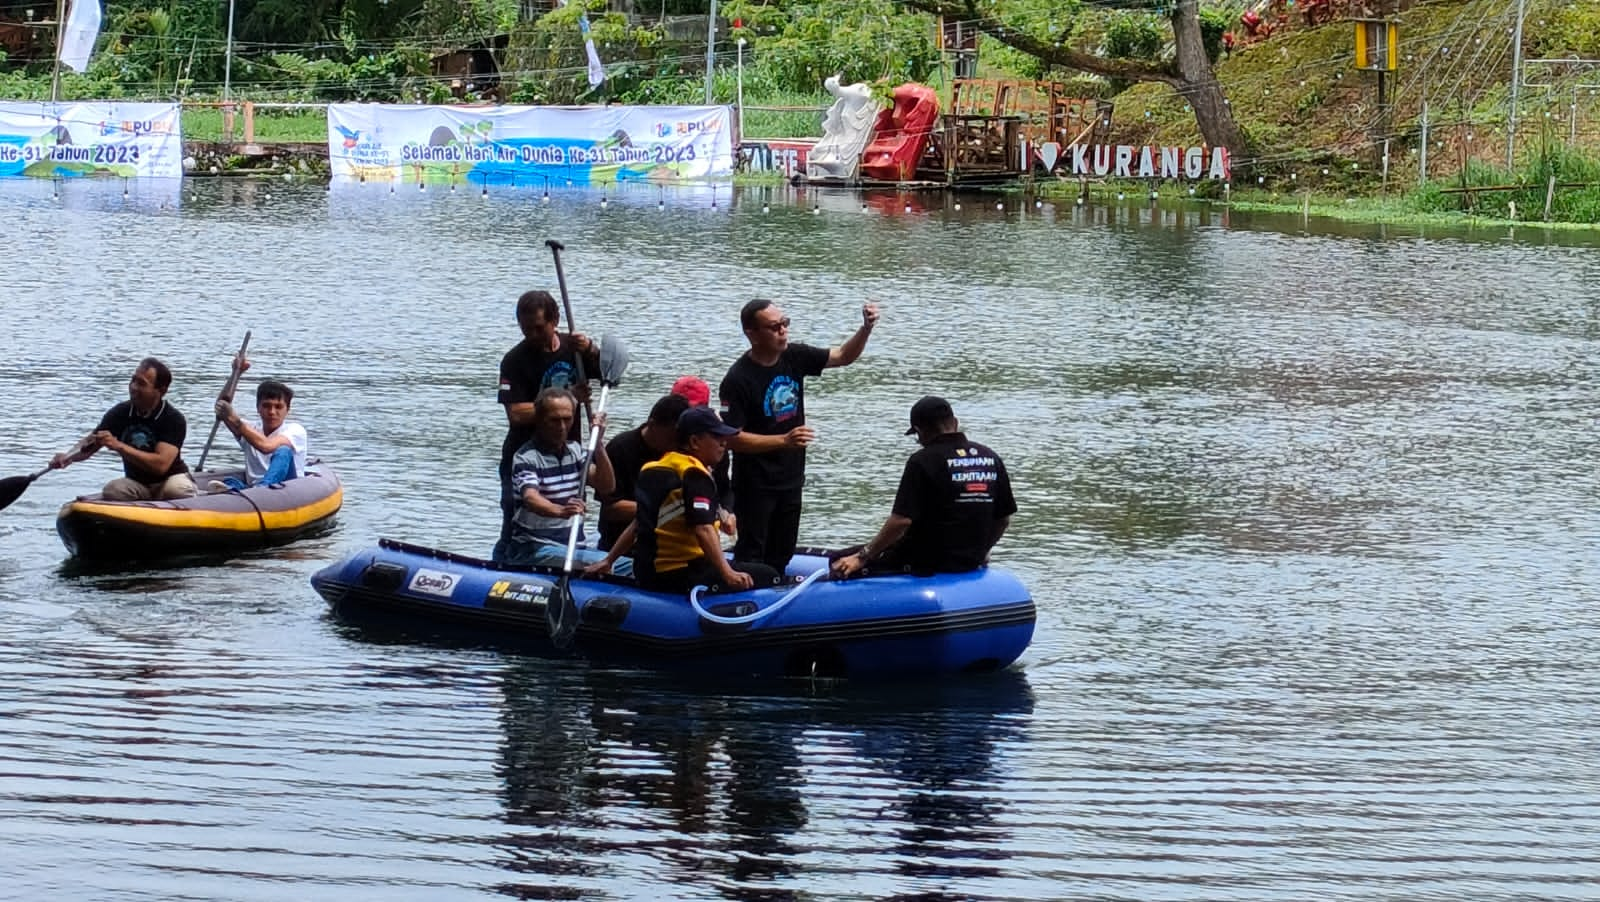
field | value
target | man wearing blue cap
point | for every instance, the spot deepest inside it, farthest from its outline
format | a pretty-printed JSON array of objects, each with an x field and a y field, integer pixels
[
  {"x": 675, "y": 523},
  {"x": 954, "y": 503}
]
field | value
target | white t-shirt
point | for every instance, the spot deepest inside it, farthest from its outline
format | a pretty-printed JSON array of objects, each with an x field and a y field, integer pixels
[{"x": 255, "y": 463}]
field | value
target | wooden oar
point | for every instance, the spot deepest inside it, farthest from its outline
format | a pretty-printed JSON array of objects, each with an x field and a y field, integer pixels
[
  {"x": 561, "y": 611},
  {"x": 227, "y": 392}
]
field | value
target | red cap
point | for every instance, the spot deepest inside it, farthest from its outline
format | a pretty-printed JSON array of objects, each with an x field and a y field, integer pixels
[{"x": 693, "y": 389}]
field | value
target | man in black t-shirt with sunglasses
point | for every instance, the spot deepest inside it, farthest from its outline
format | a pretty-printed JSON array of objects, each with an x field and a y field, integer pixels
[{"x": 763, "y": 395}]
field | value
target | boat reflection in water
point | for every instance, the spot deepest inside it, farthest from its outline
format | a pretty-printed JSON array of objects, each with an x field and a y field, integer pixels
[{"x": 628, "y": 774}]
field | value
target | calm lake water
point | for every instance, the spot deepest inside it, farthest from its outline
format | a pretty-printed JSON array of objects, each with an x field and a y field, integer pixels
[{"x": 1310, "y": 517}]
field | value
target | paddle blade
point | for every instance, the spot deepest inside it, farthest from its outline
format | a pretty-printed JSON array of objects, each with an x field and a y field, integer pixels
[
  {"x": 12, "y": 487},
  {"x": 561, "y": 615},
  {"x": 613, "y": 359}
]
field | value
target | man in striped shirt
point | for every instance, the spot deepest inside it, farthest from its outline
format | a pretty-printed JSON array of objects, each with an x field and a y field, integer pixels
[{"x": 545, "y": 476}]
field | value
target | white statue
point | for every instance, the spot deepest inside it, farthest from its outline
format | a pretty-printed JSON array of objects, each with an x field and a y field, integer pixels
[{"x": 846, "y": 131}]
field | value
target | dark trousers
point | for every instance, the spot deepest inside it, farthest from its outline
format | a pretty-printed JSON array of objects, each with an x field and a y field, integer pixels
[
  {"x": 508, "y": 508},
  {"x": 702, "y": 573},
  {"x": 769, "y": 526}
]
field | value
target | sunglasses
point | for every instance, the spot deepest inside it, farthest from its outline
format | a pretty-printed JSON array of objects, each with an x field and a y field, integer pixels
[{"x": 778, "y": 326}]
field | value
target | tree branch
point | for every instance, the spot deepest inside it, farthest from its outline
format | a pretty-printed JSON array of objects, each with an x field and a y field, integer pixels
[{"x": 1065, "y": 57}]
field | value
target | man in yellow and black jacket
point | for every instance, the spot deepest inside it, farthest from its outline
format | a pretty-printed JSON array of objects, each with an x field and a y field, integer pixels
[{"x": 674, "y": 533}]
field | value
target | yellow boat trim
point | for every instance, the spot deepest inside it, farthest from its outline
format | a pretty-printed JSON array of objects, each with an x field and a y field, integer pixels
[{"x": 199, "y": 518}]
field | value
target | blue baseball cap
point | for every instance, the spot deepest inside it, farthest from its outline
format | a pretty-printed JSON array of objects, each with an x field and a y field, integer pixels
[{"x": 696, "y": 420}]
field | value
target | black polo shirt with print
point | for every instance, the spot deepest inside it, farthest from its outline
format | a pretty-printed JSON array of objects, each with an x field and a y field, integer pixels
[{"x": 954, "y": 491}]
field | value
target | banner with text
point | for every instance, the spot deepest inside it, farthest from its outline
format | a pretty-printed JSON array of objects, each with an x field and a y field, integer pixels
[
  {"x": 64, "y": 140},
  {"x": 527, "y": 144}
]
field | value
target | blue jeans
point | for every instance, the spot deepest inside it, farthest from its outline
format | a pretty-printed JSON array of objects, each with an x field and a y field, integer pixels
[{"x": 280, "y": 468}]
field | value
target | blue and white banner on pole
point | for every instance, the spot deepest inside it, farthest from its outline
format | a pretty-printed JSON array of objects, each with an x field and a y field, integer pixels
[
  {"x": 77, "y": 39},
  {"x": 522, "y": 144},
  {"x": 64, "y": 140}
]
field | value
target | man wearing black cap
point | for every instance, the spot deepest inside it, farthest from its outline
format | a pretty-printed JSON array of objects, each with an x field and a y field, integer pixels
[
  {"x": 954, "y": 502},
  {"x": 675, "y": 525}
]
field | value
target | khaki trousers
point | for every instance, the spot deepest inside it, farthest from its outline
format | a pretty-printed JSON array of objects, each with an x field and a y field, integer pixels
[{"x": 125, "y": 489}]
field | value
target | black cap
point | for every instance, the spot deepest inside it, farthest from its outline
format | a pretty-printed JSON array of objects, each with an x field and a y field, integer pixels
[
  {"x": 930, "y": 411},
  {"x": 696, "y": 420}
]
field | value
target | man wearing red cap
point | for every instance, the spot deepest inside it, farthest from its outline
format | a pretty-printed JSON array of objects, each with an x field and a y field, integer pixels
[
  {"x": 692, "y": 389},
  {"x": 695, "y": 390},
  {"x": 954, "y": 503}
]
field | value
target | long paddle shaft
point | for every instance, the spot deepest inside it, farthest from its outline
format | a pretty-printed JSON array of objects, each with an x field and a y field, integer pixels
[
  {"x": 227, "y": 392},
  {"x": 561, "y": 611},
  {"x": 583, "y": 483},
  {"x": 556, "y": 248}
]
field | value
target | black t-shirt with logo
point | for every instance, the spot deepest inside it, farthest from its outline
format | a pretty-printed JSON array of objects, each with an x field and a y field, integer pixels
[
  {"x": 166, "y": 424},
  {"x": 528, "y": 369},
  {"x": 953, "y": 490},
  {"x": 770, "y": 400},
  {"x": 628, "y": 453}
]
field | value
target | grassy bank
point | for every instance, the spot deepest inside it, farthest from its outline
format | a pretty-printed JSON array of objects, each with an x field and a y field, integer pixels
[{"x": 272, "y": 124}]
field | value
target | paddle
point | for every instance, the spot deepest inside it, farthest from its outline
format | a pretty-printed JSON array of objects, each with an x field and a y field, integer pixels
[
  {"x": 561, "y": 613},
  {"x": 12, "y": 487},
  {"x": 227, "y": 392},
  {"x": 556, "y": 248}
]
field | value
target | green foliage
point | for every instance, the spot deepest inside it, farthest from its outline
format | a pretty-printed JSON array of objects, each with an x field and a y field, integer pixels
[
  {"x": 1570, "y": 29},
  {"x": 548, "y": 56},
  {"x": 1575, "y": 199},
  {"x": 801, "y": 44},
  {"x": 1214, "y": 23},
  {"x": 468, "y": 20},
  {"x": 1137, "y": 36},
  {"x": 394, "y": 76}
]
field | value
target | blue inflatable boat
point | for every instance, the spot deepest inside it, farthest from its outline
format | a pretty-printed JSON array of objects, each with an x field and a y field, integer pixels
[{"x": 878, "y": 627}]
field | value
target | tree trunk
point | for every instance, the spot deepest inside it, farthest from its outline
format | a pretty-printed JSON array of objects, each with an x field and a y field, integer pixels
[
  {"x": 1190, "y": 73},
  {"x": 1197, "y": 82}
]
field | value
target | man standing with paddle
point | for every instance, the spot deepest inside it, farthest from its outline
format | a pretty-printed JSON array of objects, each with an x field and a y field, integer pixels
[
  {"x": 148, "y": 434},
  {"x": 763, "y": 395},
  {"x": 545, "y": 358}
]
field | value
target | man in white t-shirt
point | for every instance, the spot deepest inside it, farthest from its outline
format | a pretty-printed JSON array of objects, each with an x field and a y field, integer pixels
[{"x": 275, "y": 450}]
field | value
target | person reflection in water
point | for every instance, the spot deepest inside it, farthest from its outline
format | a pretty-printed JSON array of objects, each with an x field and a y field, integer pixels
[
  {"x": 689, "y": 771},
  {"x": 600, "y": 748}
]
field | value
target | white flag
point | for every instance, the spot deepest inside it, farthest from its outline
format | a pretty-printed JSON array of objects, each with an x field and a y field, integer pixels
[
  {"x": 597, "y": 72},
  {"x": 77, "y": 38}
]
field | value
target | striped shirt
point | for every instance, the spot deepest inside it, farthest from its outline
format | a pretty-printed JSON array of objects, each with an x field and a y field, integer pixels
[{"x": 553, "y": 476}]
